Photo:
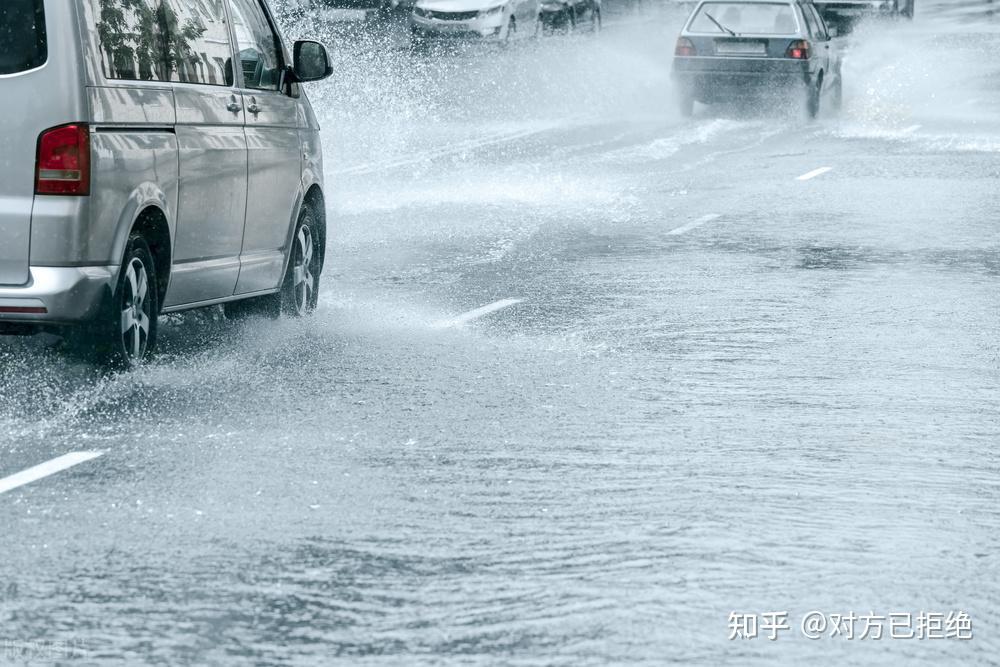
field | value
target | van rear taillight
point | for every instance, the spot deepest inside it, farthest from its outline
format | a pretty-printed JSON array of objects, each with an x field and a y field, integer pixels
[
  {"x": 798, "y": 50},
  {"x": 63, "y": 161},
  {"x": 685, "y": 47}
]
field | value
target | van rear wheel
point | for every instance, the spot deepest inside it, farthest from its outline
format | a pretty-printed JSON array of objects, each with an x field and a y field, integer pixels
[{"x": 124, "y": 334}]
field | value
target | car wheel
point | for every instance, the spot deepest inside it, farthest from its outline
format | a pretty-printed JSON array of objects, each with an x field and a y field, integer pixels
[
  {"x": 510, "y": 32},
  {"x": 300, "y": 290},
  {"x": 595, "y": 20},
  {"x": 124, "y": 334},
  {"x": 813, "y": 95}
]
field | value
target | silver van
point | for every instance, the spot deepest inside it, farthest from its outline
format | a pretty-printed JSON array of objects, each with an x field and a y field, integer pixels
[{"x": 155, "y": 156}]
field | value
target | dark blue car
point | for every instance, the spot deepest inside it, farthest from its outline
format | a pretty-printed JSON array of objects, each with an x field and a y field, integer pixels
[{"x": 732, "y": 49}]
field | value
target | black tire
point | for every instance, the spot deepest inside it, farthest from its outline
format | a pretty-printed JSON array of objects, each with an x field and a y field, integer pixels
[
  {"x": 300, "y": 289},
  {"x": 511, "y": 31},
  {"x": 124, "y": 334},
  {"x": 813, "y": 99}
]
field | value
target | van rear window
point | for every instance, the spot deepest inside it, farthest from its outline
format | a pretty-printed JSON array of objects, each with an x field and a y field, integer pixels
[{"x": 23, "y": 44}]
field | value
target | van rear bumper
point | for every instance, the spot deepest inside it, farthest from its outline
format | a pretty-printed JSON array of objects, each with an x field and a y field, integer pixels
[{"x": 56, "y": 296}]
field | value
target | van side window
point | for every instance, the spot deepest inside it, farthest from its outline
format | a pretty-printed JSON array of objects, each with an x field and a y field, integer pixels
[
  {"x": 164, "y": 40},
  {"x": 22, "y": 36},
  {"x": 258, "y": 46}
]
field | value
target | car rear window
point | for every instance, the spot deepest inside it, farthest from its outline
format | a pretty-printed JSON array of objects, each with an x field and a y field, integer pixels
[
  {"x": 750, "y": 18},
  {"x": 23, "y": 45}
]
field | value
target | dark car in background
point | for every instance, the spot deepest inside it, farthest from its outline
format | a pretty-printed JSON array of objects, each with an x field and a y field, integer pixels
[
  {"x": 846, "y": 13},
  {"x": 570, "y": 15},
  {"x": 736, "y": 49}
]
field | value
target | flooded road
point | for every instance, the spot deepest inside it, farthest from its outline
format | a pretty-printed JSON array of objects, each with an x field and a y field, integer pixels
[{"x": 742, "y": 362}]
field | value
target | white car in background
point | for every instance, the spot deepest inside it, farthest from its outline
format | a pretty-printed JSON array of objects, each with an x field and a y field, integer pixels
[{"x": 489, "y": 20}]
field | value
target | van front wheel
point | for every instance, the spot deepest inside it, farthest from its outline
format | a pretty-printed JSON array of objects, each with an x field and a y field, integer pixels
[{"x": 300, "y": 289}]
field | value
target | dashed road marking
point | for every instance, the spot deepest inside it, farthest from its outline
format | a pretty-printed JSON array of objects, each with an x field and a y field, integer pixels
[
  {"x": 693, "y": 224},
  {"x": 472, "y": 315},
  {"x": 814, "y": 173},
  {"x": 43, "y": 470}
]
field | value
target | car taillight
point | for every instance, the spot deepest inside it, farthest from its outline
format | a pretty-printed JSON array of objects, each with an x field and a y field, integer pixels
[
  {"x": 63, "y": 161},
  {"x": 685, "y": 48},
  {"x": 798, "y": 50}
]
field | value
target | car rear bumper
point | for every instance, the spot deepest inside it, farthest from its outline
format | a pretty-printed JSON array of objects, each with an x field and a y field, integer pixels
[
  {"x": 716, "y": 77},
  {"x": 55, "y": 296}
]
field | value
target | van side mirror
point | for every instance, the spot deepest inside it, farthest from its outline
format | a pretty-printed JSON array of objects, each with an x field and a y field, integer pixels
[
  {"x": 833, "y": 31},
  {"x": 311, "y": 61}
]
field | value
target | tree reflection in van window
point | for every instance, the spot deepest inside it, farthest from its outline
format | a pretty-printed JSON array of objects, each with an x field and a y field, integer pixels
[{"x": 165, "y": 40}]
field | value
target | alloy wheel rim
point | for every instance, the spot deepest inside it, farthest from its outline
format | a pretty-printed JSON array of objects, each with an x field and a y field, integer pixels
[
  {"x": 304, "y": 283},
  {"x": 135, "y": 314}
]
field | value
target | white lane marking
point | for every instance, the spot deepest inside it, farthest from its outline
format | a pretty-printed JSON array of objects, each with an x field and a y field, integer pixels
[
  {"x": 693, "y": 224},
  {"x": 814, "y": 173},
  {"x": 911, "y": 129},
  {"x": 465, "y": 318},
  {"x": 45, "y": 469}
]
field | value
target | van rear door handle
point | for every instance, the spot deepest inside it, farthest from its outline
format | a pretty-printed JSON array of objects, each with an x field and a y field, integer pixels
[
  {"x": 253, "y": 108},
  {"x": 234, "y": 106}
]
